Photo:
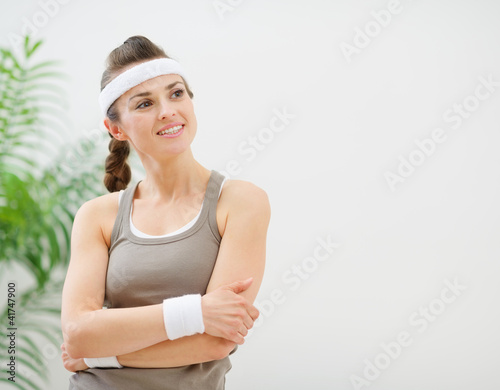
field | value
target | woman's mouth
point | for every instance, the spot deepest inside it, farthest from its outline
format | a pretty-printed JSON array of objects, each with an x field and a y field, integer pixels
[{"x": 172, "y": 131}]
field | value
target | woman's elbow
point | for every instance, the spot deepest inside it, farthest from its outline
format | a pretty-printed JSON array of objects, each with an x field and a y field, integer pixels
[
  {"x": 223, "y": 349},
  {"x": 74, "y": 340}
]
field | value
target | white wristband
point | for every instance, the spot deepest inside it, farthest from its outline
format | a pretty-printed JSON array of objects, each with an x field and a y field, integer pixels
[
  {"x": 182, "y": 316},
  {"x": 111, "y": 361}
]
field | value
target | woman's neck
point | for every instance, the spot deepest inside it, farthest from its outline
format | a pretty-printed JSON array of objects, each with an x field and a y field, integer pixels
[{"x": 173, "y": 178}]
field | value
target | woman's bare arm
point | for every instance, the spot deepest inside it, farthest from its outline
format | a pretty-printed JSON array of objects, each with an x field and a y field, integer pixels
[
  {"x": 89, "y": 330},
  {"x": 242, "y": 252},
  {"x": 195, "y": 349}
]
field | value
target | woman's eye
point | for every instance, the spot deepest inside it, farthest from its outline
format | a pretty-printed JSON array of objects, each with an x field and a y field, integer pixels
[
  {"x": 144, "y": 104},
  {"x": 178, "y": 93}
]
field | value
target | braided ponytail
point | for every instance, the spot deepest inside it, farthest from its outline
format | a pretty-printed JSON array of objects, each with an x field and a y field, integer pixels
[{"x": 118, "y": 173}]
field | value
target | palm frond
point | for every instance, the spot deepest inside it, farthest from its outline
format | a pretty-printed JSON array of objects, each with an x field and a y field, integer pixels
[{"x": 38, "y": 201}]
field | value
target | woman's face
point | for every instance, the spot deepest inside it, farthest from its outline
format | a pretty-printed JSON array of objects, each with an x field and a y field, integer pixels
[{"x": 157, "y": 117}]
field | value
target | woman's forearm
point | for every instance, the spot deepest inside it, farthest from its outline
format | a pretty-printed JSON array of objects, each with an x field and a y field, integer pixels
[
  {"x": 166, "y": 354},
  {"x": 195, "y": 349},
  {"x": 111, "y": 332}
]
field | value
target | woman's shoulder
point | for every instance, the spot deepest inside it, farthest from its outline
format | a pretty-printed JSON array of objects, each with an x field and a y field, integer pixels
[
  {"x": 98, "y": 215},
  {"x": 242, "y": 188},
  {"x": 99, "y": 209},
  {"x": 242, "y": 194},
  {"x": 244, "y": 203},
  {"x": 101, "y": 203}
]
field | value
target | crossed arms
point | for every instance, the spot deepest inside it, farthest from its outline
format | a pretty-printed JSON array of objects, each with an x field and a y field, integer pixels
[{"x": 137, "y": 336}]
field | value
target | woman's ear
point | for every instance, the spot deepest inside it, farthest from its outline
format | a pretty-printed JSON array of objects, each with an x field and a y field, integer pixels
[{"x": 115, "y": 130}]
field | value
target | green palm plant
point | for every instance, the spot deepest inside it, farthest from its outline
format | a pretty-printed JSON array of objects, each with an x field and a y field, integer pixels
[{"x": 40, "y": 191}]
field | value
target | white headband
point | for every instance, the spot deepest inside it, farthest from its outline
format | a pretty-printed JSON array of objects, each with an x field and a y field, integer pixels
[{"x": 134, "y": 76}]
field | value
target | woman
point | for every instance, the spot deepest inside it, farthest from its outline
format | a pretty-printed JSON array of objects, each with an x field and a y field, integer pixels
[{"x": 176, "y": 259}]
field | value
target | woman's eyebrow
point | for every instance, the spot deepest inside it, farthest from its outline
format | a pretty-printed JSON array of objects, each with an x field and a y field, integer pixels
[{"x": 142, "y": 94}]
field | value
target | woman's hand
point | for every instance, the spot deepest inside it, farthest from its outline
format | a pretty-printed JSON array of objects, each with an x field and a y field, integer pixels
[
  {"x": 227, "y": 314},
  {"x": 71, "y": 364}
]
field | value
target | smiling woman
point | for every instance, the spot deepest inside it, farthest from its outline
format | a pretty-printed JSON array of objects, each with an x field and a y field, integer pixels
[{"x": 163, "y": 274}]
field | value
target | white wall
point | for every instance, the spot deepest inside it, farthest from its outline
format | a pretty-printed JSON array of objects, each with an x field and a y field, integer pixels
[{"x": 325, "y": 172}]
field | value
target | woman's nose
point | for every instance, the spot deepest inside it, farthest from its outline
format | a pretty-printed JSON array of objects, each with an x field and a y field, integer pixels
[{"x": 165, "y": 110}]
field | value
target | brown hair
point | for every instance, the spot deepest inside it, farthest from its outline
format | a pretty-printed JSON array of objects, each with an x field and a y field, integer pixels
[{"x": 135, "y": 49}]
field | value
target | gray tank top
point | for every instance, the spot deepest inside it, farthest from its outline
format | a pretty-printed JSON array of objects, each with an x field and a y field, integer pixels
[{"x": 145, "y": 271}]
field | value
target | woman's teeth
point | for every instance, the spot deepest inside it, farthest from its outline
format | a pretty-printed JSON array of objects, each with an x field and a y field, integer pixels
[{"x": 172, "y": 130}]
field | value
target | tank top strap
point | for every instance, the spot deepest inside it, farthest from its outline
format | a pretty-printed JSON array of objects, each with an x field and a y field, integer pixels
[
  {"x": 123, "y": 210},
  {"x": 212, "y": 197},
  {"x": 214, "y": 184}
]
